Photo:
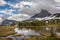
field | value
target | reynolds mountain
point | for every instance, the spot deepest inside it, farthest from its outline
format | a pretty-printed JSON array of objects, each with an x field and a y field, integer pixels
[{"x": 42, "y": 14}]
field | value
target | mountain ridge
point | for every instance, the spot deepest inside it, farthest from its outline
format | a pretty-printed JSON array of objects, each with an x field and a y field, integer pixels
[{"x": 42, "y": 14}]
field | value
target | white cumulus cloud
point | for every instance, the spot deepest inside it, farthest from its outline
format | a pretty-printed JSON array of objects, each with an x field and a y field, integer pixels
[
  {"x": 7, "y": 11},
  {"x": 35, "y": 7},
  {"x": 19, "y": 17},
  {"x": 58, "y": 1},
  {"x": 2, "y": 2}
]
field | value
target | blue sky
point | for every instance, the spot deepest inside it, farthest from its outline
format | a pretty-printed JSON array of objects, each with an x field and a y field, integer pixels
[
  {"x": 6, "y": 6},
  {"x": 20, "y": 9},
  {"x": 14, "y": 2}
]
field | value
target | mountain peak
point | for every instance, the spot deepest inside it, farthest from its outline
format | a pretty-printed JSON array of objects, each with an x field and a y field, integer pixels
[{"x": 42, "y": 14}]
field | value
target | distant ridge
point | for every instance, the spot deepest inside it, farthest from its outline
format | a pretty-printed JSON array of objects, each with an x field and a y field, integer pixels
[
  {"x": 56, "y": 14},
  {"x": 7, "y": 22}
]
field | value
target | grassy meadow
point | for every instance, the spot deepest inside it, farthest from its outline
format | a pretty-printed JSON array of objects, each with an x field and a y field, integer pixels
[
  {"x": 6, "y": 31},
  {"x": 38, "y": 26}
]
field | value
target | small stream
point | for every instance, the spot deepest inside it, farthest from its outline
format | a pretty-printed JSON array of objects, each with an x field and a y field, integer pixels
[{"x": 16, "y": 38}]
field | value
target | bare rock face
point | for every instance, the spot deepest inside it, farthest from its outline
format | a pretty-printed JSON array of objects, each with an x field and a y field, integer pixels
[
  {"x": 42, "y": 14},
  {"x": 56, "y": 15}
]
